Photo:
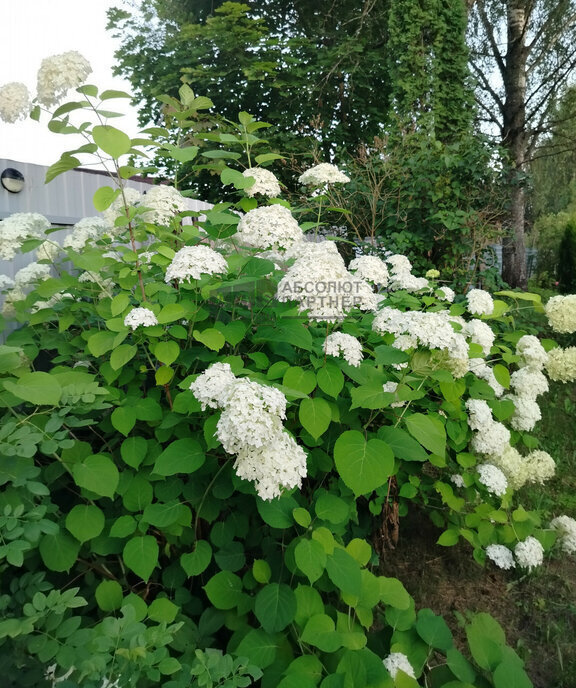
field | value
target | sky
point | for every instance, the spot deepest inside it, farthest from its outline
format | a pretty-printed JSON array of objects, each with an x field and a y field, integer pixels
[{"x": 31, "y": 30}]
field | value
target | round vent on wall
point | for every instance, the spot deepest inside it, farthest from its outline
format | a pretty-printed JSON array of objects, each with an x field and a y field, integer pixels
[{"x": 12, "y": 180}]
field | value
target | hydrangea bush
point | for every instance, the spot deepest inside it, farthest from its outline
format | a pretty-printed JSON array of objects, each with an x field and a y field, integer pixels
[{"x": 211, "y": 429}]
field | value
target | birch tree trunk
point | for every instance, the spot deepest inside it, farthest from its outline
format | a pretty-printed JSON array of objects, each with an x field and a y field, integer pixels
[{"x": 514, "y": 140}]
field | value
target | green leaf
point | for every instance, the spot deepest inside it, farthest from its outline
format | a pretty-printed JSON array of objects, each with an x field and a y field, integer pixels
[
  {"x": 172, "y": 312},
  {"x": 122, "y": 354},
  {"x": 98, "y": 474},
  {"x": 109, "y": 595},
  {"x": 485, "y": 639},
  {"x": 429, "y": 431},
  {"x": 181, "y": 456},
  {"x": 310, "y": 558},
  {"x": 275, "y": 607},
  {"x": 299, "y": 379},
  {"x": 211, "y": 338},
  {"x": 133, "y": 450},
  {"x": 167, "y": 352},
  {"x": 433, "y": 630},
  {"x": 140, "y": 555},
  {"x": 184, "y": 154},
  {"x": 259, "y": 647},
  {"x": 449, "y": 537},
  {"x": 363, "y": 466},
  {"x": 37, "y": 388},
  {"x": 330, "y": 379},
  {"x": 502, "y": 375},
  {"x": 162, "y": 610},
  {"x": 371, "y": 396},
  {"x": 111, "y": 140},
  {"x": 123, "y": 419},
  {"x": 66, "y": 163},
  {"x": 119, "y": 304},
  {"x": 315, "y": 416},
  {"x": 101, "y": 342},
  {"x": 234, "y": 177},
  {"x": 392, "y": 592},
  {"x": 344, "y": 571},
  {"x": 85, "y": 522},
  {"x": 510, "y": 674},
  {"x": 224, "y": 590},
  {"x": 331, "y": 508},
  {"x": 164, "y": 514},
  {"x": 277, "y": 512},
  {"x": 320, "y": 632},
  {"x": 111, "y": 93},
  {"x": 196, "y": 562},
  {"x": 103, "y": 199},
  {"x": 261, "y": 571},
  {"x": 403, "y": 446},
  {"x": 59, "y": 552},
  {"x": 460, "y": 666}
]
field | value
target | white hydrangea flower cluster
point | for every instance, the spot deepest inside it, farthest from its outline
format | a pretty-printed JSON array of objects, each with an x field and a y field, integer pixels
[
  {"x": 85, "y": 231},
  {"x": 401, "y": 276},
  {"x": 432, "y": 330},
  {"x": 322, "y": 285},
  {"x": 164, "y": 202},
  {"x": 340, "y": 343},
  {"x": 445, "y": 293},
  {"x": 130, "y": 197},
  {"x": 322, "y": 174},
  {"x": 191, "y": 262},
  {"x": 529, "y": 553},
  {"x": 501, "y": 556},
  {"x": 252, "y": 416},
  {"x": 31, "y": 273},
  {"x": 48, "y": 250},
  {"x": 561, "y": 364},
  {"x": 6, "y": 282},
  {"x": 398, "y": 661},
  {"x": 528, "y": 382},
  {"x": 480, "y": 302},
  {"x": 561, "y": 313},
  {"x": 269, "y": 227},
  {"x": 370, "y": 268},
  {"x": 566, "y": 529},
  {"x": 58, "y": 74},
  {"x": 140, "y": 317},
  {"x": 210, "y": 388},
  {"x": 490, "y": 437},
  {"x": 480, "y": 333},
  {"x": 493, "y": 478},
  {"x": 16, "y": 228},
  {"x": 251, "y": 427},
  {"x": 14, "y": 295},
  {"x": 526, "y": 412},
  {"x": 536, "y": 467},
  {"x": 532, "y": 353},
  {"x": 14, "y": 102},
  {"x": 265, "y": 182}
]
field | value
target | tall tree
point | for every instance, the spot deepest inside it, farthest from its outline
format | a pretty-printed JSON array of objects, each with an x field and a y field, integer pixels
[
  {"x": 314, "y": 69},
  {"x": 522, "y": 53},
  {"x": 553, "y": 166}
]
